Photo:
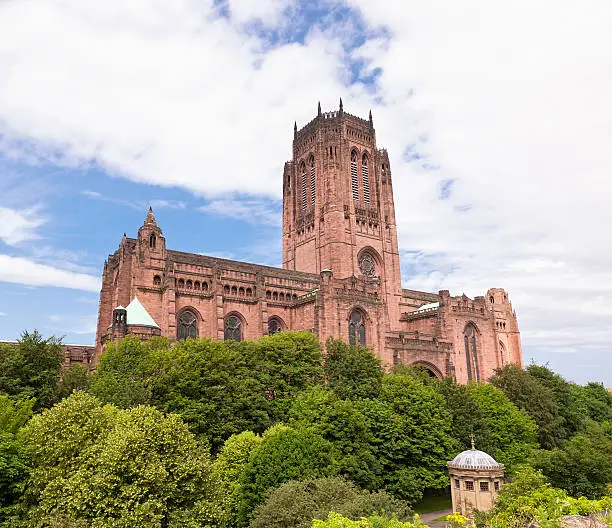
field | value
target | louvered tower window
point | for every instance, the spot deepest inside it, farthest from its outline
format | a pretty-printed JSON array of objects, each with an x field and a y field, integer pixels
[
  {"x": 312, "y": 181},
  {"x": 354, "y": 178},
  {"x": 304, "y": 183},
  {"x": 366, "y": 178}
]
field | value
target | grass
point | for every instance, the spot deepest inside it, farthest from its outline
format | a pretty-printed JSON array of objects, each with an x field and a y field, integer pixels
[{"x": 432, "y": 503}]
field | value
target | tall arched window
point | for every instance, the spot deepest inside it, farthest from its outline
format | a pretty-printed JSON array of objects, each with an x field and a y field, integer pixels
[
  {"x": 312, "y": 180},
  {"x": 502, "y": 354},
  {"x": 186, "y": 325},
  {"x": 304, "y": 182},
  {"x": 274, "y": 325},
  {"x": 354, "y": 177},
  {"x": 233, "y": 328},
  {"x": 357, "y": 329},
  {"x": 152, "y": 241},
  {"x": 471, "y": 351},
  {"x": 365, "y": 177}
]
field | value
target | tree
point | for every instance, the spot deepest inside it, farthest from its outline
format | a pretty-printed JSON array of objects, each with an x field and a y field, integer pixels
[
  {"x": 75, "y": 377},
  {"x": 467, "y": 418},
  {"x": 539, "y": 401},
  {"x": 529, "y": 500},
  {"x": 285, "y": 454},
  {"x": 228, "y": 468},
  {"x": 292, "y": 361},
  {"x": 13, "y": 467},
  {"x": 414, "y": 441},
  {"x": 583, "y": 466},
  {"x": 218, "y": 388},
  {"x": 116, "y": 468},
  {"x": 129, "y": 371},
  {"x": 31, "y": 368},
  {"x": 352, "y": 372},
  {"x": 594, "y": 400},
  {"x": 347, "y": 427},
  {"x": 296, "y": 503},
  {"x": 511, "y": 433}
]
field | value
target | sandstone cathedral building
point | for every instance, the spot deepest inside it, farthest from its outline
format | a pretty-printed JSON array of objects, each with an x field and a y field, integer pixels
[{"x": 340, "y": 274}]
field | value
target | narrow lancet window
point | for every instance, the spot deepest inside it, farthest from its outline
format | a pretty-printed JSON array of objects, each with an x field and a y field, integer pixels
[
  {"x": 312, "y": 181},
  {"x": 365, "y": 178},
  {"x": 304, "y": 184},
  {"x": 354, "y": 177}
]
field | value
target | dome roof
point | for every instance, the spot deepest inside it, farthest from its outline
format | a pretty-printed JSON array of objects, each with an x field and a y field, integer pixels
[{"x": 474, "y": 459}]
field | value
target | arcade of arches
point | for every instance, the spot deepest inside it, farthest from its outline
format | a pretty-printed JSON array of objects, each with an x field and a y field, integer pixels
[{"x": 340, "y": 274}]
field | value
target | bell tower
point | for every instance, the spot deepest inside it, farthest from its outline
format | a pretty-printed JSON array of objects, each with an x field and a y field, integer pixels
[{"x": 338, "y": 210}]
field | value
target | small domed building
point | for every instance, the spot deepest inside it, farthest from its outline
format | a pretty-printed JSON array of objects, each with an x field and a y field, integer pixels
[{"x": 476, "y": 479}]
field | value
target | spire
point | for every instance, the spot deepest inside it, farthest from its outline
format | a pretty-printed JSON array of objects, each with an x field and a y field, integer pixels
[
  {"x": 472, "y": 438},
  {"x": 371, "y": 122},
  {"x": 319, "y": 109},
  {"x": 294, "y": 129},
  {"x": 341, "y": 106},
  {"x": 150, "y": 219}
]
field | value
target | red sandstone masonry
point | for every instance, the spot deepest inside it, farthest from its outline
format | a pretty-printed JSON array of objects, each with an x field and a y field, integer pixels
[{"x": 326, "y": 231}]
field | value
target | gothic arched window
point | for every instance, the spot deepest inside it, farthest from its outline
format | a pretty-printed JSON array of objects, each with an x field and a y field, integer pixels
[
  {"x": 354, "y": 177},
  {"x": 304, "y": 183},
  {"x": 233, "y": 328},
  {"x": 156, "y": 280},
  {"x": 365, "y": 177},
  {"x": 152, "y": 241},
  {"x": 471, "y": 351},
  {"x": 357, "y": 329},
  {"x": 367, "y": 264},
  {"x": 312, "y": 180},
  {"x": 274, "y": 325},
  {"x": 186, "y": 325},
  {"x": 181, "y": 283}
]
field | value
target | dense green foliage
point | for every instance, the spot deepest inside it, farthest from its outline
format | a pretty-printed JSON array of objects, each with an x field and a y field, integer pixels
[
  {"x": 202, "y": 433},
  {"x": 296, "y": 503},
  {"x": 31, "y": 369},
  {"x": 99, "y": 464},
  {"x": 531, "y": 499},
  {"x": 13, "y": 468},
  {"x": 335, "y": 520},
  {"x": 352, "y": 372}
]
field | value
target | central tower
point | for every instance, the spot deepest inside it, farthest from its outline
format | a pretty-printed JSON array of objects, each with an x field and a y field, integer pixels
[{"x": 338, "y": 210}]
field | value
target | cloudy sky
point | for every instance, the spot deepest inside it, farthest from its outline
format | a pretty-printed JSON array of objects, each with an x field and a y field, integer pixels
[{"x": 497, "y": 117}]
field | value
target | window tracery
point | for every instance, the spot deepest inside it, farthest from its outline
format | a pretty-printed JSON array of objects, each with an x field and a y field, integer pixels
[
  {"x": 354, "y": 177},
  {"x": 357, "y": 329},
  {"x": 471, "y": 352},
  {"x": 233, "y": 328},
  {"x": 365, "y": 177},
  {"x": 152, "y": 241},
  {"x": 304, "y": 182},
  {"x": 274, "y": 325},
  {"x": 312, "y": 180},
  {"x": 367, "y": 265},
  {"x": 187, "y": 325}
]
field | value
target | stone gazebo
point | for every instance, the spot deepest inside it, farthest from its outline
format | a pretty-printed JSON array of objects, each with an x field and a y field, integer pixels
[{"x": 476, "y": 479}]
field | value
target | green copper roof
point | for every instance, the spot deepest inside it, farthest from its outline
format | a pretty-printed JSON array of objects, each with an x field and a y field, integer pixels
[{"x": 137, "y": 315}]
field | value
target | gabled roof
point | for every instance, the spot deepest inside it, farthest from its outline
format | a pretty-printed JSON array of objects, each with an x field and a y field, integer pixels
[
  {"x": 137, "y": 315},
  {"x": 426, "y": 307}
]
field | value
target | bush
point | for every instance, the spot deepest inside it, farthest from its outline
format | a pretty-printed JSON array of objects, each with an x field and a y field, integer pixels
[
  {"x": 285, "y": 454},
  {"x": 295, "y": 504}
]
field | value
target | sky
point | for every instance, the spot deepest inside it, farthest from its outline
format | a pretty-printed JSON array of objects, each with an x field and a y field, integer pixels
[{"x": 497, "y": 117}]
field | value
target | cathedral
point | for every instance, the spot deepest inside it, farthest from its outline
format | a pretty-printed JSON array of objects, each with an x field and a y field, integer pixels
[{"x": 340, "y": 274}]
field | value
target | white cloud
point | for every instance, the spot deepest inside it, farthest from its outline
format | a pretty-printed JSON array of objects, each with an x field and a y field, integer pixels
[
  {"x": 509, "y": 100},
  {"x": 19, "y": 226},
  {"x": 138, "y": 205},
  {"x": 19, "y": 270},
  {"x": 2, "y": 314},
  {"x": 257, "y": 211}
]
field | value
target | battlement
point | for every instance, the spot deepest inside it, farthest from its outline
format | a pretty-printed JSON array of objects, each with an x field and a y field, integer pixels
[{"x": 331, "y": 119}]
